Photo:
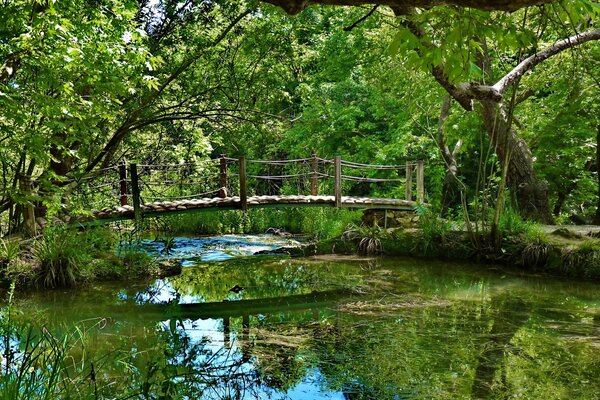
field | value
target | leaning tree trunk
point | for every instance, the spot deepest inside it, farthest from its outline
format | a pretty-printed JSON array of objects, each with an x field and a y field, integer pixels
[
  {"x": 531, "y": 193},
  {"x": 597, "y": 217}
]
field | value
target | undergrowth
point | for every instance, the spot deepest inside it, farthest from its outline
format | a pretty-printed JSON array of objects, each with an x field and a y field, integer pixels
[
  {"x": 315, "y": 223},
  {"x": 63, "y": 256}
]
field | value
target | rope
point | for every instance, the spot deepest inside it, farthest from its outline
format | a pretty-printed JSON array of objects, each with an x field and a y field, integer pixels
[
  {"x": 164, "y": 166},
  {"x": 374, "y": 180},
  {"x": 279, "y": 176},
  {"x": 181, "y": 182},
  {"x": 376, "y": 167},
  {"x": 279, "y": 162}
]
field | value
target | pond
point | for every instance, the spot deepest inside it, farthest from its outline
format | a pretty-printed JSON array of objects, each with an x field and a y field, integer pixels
[{"x": 263, "y": 327}]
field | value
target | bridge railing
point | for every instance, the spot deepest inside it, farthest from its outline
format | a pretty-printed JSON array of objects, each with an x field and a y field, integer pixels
[{"x": 129, "y": 186}]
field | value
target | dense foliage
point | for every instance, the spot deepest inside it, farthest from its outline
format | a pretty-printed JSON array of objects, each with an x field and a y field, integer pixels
[{"x": 86, "y": 84}]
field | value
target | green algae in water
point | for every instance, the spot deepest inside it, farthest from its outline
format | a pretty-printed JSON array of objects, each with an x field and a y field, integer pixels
[{"x": 335, "y": 329}]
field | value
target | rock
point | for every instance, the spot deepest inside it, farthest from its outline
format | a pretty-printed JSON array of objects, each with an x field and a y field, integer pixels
[{"x": 168, "y": 268}]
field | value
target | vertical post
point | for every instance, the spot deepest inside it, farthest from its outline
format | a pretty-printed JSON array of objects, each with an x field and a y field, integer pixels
[
  {"x": 123, "y": 183},
  {"x": 243, "y": 184},
  {"x": 226, "y": 332},
  {"x": 409, "y": 181},
  {"x": 314, "y": 184},
  {"x": 222, "y": 176},
  {"x": 420, "y": 181},
  {"x": 337, "y": 162},
  {"x": 28, "y": 208},
  {"x": 135, "y": 193}
]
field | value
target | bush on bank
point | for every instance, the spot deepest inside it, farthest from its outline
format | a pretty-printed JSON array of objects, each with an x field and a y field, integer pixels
[{"x": 64, "y": 256}]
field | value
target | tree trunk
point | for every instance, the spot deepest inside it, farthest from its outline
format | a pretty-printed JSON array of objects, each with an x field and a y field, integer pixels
[
  {"x": 451, "y": 188},
  {"x": 597, "y": 217},
  {"x": 531, "y": 193}
]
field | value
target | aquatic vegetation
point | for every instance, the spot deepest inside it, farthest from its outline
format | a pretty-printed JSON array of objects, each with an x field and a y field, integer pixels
[{"x": 419, "y": 329}]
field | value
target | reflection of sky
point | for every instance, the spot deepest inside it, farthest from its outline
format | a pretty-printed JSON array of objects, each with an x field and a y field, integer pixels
[
  {"x": 223, "y": 351},
  {"x": 192, "y": 250}
]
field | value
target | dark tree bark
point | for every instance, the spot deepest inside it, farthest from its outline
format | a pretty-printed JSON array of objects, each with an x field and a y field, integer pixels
[
  {"x": 597, "y": 217},
  {"x": 531, "y": 192},
  {"x": 451, "y": 187},
  {"x": 295, "y": 6}
]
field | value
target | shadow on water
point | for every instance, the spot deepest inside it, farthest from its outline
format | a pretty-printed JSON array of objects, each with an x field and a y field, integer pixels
[{"x": 334, "y": 329}]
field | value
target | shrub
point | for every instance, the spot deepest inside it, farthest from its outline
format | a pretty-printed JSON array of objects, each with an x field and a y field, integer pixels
[
  {"x": 434, "y": 230},
  {"x": 368, "y": 238}
]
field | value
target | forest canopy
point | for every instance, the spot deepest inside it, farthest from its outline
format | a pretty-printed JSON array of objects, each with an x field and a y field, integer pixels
[{"x": 493, "y": 100}]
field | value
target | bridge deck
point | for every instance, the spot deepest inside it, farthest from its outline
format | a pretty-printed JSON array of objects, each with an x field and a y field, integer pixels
[{"x": 178, "y": 206}]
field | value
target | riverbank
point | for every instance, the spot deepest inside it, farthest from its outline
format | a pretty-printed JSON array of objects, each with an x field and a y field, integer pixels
[
  {"x": 558, "y": 250},
  {"x": 63, "y": 256}
]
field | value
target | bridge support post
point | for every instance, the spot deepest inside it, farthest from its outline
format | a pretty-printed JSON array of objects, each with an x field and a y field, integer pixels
[
  {"x": 135, "y": 193},
  {"x": 337, "y": 163},
  {"x": 420, "y": 182},
  {"x": 243, "y": 184},
  {"x": 123, "y": 183},
  {"x": 409, "y": 180},
  {"x": 222, "y": 176},
  {"x": 314, "y": 184}
]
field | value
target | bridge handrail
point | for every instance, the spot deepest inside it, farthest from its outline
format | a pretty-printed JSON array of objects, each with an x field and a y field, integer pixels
[
  {"x": 161, "y": 181},
  {"x": 355, "y": 165}
]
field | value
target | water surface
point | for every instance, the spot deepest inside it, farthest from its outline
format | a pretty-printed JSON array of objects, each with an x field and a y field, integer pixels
[{"x": 334, "y": 328}]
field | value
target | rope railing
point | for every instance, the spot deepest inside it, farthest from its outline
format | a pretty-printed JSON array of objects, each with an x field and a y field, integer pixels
[{"x": 225, "y": 177}]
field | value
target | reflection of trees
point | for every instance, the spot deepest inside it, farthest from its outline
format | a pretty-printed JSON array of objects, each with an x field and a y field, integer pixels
[
  {"x": 417, "y": 332},
  {"x": 509, "y": 315},
  {"x": 213, "y": 282}
]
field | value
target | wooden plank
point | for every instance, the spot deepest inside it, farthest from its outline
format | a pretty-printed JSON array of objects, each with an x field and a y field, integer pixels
[
  {"x": 314, "y": 183},
  {"x": 337, "y": 162},
  {"x": 420, "y": 182},
  {"x": 123, "y": 183},
  {"x": 135, "y": 193},
  {"x": 409, "y": 180},
  {"x": 243, "y": 184}
]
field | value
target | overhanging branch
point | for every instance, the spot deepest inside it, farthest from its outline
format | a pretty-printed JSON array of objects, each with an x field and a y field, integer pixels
[
  {"x": 295, "y": 6},
  {"x": 476, "y": 91}
]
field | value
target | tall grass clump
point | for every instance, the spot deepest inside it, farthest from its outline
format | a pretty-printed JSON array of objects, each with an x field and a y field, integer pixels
[
  {"x": 9, "y": 251},
  {"x": 511, "y": 224},
  {"x": 368, "y": 238},
  {"x": 64, "y": 257},
  {"x": 59, "y": 257}
]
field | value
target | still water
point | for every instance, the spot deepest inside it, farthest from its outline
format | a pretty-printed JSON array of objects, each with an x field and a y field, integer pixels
[{"x": 234, "y": 326}]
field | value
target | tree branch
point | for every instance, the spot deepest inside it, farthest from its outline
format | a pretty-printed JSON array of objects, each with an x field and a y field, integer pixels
[
  {"x": 295, "y": 6},
  {"x": 361, "y": 19},
  {"x": 531, "y": 61},
  {"x": 476, "y": 91}
]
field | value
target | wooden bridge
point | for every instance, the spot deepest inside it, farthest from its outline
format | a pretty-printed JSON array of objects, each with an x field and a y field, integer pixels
[{"x": 135, "y": 191}]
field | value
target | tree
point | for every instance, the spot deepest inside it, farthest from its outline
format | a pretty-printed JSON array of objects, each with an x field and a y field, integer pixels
[{"x": 296, "y": 6}]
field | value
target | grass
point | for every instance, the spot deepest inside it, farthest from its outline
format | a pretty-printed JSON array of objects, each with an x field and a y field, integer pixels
[
  {"x": 314, "y": 222},
  {"x": 66, "y": 257}
]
